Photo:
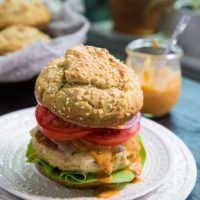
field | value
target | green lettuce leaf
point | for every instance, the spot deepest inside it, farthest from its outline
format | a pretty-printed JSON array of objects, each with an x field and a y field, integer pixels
[
  {"x": 121, "y": 176},
  {"x": 143, "y": 154}
]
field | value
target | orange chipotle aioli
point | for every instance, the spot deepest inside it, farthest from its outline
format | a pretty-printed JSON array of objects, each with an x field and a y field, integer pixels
[
  {"x": 105, "y": 159},
  {"x": 161, "y": 88},
  {"x": 160, "y": 101},
  {"x": 105, "y": 192}
]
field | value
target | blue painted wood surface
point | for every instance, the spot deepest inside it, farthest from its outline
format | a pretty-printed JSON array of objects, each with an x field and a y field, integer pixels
[{"x": 184, "y": 121}]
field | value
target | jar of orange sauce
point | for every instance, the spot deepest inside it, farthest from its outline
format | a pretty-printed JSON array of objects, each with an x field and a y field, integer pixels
[{"x": 159, "y": 74}]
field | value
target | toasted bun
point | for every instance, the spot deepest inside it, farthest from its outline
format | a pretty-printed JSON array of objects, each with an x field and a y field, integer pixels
[
  {"x": 83, "y": 185},
  {"x": 90, "y": 87}
]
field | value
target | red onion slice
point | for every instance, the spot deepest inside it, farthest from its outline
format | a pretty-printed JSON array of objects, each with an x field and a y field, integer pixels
[
  {"x": 131, "y": 122},
  {"x": 38, "y": 102}
]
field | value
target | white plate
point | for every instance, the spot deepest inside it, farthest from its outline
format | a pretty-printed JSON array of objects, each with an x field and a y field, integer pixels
[{"x": 23, "y": 180}]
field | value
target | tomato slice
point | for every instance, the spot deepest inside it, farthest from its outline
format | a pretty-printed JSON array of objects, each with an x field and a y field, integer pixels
[
  {"x": 62, "y": 137},
  {"x": 56, "y": 128},
  {"x": 111, "y": 137}
]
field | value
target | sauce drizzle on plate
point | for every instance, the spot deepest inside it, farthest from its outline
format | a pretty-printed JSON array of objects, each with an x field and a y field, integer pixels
[{"x": 106, "y": 192}]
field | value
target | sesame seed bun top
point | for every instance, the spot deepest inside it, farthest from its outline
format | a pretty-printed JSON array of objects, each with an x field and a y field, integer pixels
[{"x": 90, "y": 87}]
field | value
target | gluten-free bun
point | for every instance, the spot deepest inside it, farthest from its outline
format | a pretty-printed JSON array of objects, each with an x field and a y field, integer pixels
[{"x": 90, "y": 87}]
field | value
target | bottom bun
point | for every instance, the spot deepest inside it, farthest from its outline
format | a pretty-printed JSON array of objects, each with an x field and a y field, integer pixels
[{"x": 62, "y": 182}]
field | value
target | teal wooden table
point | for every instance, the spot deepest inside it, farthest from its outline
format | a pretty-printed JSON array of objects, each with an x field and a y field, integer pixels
[{"x": 184, "y": 121}]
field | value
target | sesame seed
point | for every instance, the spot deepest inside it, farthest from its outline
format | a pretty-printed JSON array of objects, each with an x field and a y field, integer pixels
[
  {"x": 63, "y": 108},
  {"x": 87, "y": 114},
  {"x": 67, "y": 116},
  {"x": 80, "y": 118},
  {"x": 128, "y": 114},
  {"x": 82, "y": 107},
  {"x": 79, "y": 97},
  {"x": 60, "y": 111},
  {"x": 76, "y": 103},
  {"x": 68, "y": 108}
]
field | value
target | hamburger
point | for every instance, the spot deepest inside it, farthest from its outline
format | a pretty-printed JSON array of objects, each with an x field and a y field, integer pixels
[{"x": 88, "y": 120}]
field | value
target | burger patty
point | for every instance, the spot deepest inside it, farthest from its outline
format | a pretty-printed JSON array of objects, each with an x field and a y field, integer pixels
[{"x": 67, "y": 157}]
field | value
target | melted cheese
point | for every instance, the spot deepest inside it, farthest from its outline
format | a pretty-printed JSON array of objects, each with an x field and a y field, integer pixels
[
  {"x": 133, "y": 147},
  {"x": 105, "y": 156},
  {"x": 104, "y": 159},
  {"x": 105, "y": 179}
]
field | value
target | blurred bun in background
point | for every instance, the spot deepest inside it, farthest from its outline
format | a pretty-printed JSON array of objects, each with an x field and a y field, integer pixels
[{"x": 33, "y": 13}]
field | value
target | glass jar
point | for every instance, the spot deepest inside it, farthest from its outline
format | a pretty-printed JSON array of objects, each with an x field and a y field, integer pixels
[
  {"x": 137, "y": 17},
  {"x": 159, "y": 74}
]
